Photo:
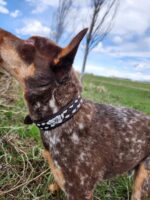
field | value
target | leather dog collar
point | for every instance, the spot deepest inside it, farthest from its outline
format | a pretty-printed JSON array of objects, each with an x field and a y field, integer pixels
[{"x": 61, "y": 116}]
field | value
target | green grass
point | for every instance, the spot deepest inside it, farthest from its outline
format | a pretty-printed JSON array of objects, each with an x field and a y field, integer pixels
[
  {"x": 118, "y": 92},
  {"x": 23, "y": 172}
]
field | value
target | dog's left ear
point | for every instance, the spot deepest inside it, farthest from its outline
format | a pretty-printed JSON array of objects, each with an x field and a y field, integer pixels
[
  {"x": 64, "y": 60},
  {"x": 69, "y": 52}
]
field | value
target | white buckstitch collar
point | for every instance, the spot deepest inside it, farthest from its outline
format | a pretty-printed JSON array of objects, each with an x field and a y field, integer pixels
[{"x": 60, "y": 117}]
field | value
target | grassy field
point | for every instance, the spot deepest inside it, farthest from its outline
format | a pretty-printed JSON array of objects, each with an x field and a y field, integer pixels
[{"x": 23, "y": 172}]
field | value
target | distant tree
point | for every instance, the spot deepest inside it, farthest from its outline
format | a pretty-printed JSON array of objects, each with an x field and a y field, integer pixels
[
  {"x": 60, "y": 18},
  {"x": 103, "y": 13}
]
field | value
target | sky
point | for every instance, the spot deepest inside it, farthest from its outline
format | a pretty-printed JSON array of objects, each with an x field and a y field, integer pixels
[{"x": 124, "y": 53}]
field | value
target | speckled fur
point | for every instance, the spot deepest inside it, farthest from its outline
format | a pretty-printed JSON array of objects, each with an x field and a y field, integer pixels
[{"x": 100, "y": 141}]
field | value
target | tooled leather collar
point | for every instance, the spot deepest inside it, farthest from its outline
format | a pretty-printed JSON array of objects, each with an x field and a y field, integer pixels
[{"x": 61, "y": 116}]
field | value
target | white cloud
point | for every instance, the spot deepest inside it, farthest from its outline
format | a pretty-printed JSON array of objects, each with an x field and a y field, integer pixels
[
  {"x": 131, "y": 50},
  {"x": 142, "y": 66},
  {"x": 117, "y": 39},
  {"x": 104, "y": 71},
  {"x": 133, "y": 54},
  {"x": 81, "y": 15},
  {"x": 133, "y": 18},
  {"x": 129, "y": 37},
  {"x": 80, "y": 18},
  {"x": 34, "y": 27},
  {"x": 40, "y": 6},
  {"x": 130, "y": 54},
  {"x": 129, "y": 32},
  {"x": 3, "y": 2},
  {"x": 3, "y": 8},
  {"x": 134, "y": 49},
  {"x": 15, "y": 13}
]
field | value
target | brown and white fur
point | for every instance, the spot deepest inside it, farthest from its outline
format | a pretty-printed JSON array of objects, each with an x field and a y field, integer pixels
[{"x": 99, "y": 141}]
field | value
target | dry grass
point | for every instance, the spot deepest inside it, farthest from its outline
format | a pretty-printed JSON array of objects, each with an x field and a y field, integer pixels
[
  {"x": 23, "y": 172},
  {"x": 8, "y": 88},
  {"x": 18, "y": 167}
]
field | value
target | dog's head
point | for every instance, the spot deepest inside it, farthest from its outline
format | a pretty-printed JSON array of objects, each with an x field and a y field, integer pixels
[{"x": 41, "y": 66}]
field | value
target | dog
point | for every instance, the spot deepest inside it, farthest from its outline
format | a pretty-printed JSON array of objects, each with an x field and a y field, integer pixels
[{"x": 84, "y": 142}]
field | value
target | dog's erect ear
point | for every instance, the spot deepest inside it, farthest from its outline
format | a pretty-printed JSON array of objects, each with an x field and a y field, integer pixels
[
  {"x": 64, "y": 60},
  {"x": 68, "y": 53}
]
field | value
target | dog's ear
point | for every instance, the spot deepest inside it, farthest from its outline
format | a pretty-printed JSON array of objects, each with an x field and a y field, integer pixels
[
  {"x": 64, "y": 60},
  {"x": 68, "y": 53}
]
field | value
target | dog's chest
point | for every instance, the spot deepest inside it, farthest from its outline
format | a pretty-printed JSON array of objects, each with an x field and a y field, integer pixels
[
  {"x": 61, "y": 142},
  {"x": 70, "y": 138}
]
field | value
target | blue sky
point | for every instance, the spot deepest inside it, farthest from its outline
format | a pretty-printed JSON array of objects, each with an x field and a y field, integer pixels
[{"x": 125, "y": 52}]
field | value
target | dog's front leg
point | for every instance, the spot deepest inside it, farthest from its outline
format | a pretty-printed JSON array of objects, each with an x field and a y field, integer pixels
[{"x": 58, "y": 175}]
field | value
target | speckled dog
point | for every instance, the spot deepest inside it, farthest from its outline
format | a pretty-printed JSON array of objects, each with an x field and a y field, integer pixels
[{"x": 84, "y": 142}]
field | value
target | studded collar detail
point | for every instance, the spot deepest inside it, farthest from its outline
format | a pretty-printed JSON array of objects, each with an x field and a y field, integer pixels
[{"x": 61, "y": 116}]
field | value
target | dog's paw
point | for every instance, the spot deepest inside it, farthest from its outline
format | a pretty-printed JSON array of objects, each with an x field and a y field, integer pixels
[{"x": 53, "y": 188}]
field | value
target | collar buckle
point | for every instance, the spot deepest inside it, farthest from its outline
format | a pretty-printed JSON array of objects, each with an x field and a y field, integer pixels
[{"x": 56, "y": 120}]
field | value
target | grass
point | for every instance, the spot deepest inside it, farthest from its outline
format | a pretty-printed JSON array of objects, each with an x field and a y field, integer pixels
[
  {"x": 23, "y": 172},
  {"x": 118, "y": 92}
]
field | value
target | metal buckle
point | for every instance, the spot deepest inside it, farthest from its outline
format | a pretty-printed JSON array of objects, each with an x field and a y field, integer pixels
[{"x": 57, "y": 120}]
